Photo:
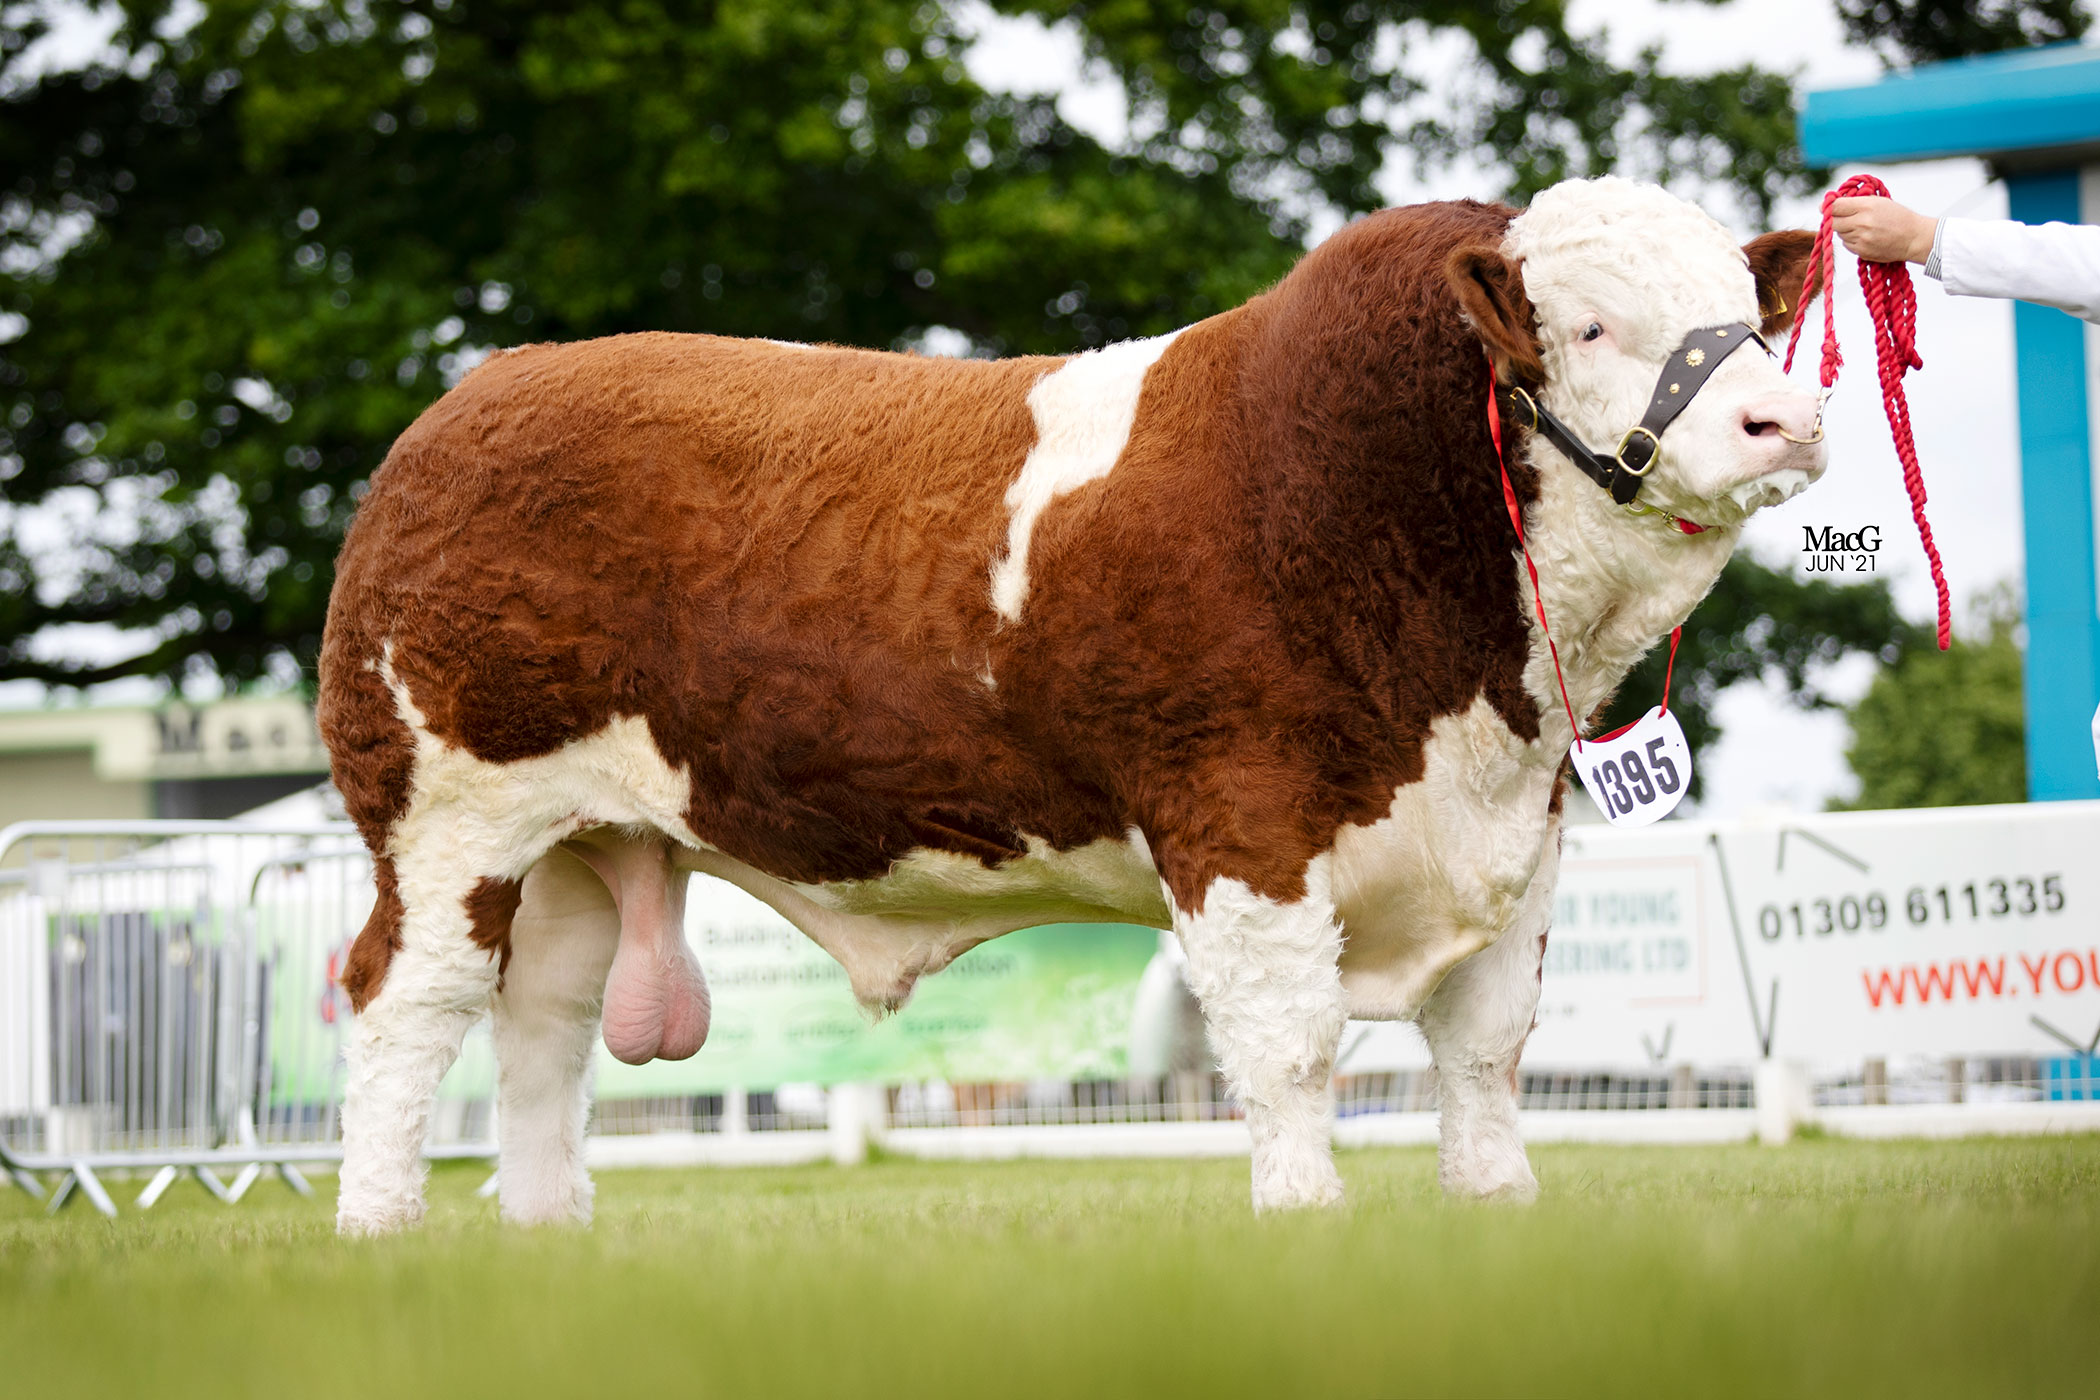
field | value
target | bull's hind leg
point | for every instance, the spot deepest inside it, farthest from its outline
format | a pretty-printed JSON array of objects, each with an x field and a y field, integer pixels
[
  {"x": 563, "y": 938},
  {"x": 1268, "y": 978},
  {"x": 1476, "y": 1022},
  {"x": 457, "y": 889},
  {"x": 400, "y": 1046}
]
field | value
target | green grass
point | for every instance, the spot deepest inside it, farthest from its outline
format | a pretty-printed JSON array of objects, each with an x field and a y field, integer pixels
[{"x": 1825, "y": 1268}]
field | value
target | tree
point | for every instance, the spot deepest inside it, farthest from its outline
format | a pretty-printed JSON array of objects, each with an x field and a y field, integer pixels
[
  {"x": 1929, "y": 31},
  {"x": 1945, "y": 729},
  {"x": 1299, "y": 97},
  {"x": 237, "y": 259},
  {"x": 1765, "y": 622}
]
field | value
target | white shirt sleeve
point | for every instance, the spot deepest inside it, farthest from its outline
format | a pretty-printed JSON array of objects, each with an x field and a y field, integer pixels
[{"x": 2051, "y": 264}]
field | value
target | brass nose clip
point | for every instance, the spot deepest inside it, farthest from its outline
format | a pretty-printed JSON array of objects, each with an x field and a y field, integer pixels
[{"x": 1821, "y": 399}]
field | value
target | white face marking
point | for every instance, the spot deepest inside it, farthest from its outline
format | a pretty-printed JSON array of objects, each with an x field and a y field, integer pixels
[
  {"x": 1643, "y": 267},
  {"x": 1083, "y": 413}
]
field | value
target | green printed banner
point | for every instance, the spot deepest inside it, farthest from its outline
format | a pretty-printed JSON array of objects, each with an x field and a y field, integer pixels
[{"x": 1046, "y": 1003}]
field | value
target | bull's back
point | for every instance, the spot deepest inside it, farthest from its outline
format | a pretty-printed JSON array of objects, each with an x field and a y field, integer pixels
[{"x": 778, "y": 556}]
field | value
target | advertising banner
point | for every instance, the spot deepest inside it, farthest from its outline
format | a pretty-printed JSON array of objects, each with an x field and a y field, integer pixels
[
  {"x": 1829, "y": 937},
  {"x": 1639, "y": 968},
  {"x": 1946, "y": 931}
]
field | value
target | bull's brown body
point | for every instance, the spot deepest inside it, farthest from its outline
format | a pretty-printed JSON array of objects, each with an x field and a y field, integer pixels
[{"x": 779, "y": 557}]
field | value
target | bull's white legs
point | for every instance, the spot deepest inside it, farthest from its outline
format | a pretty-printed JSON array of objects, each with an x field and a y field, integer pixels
[
  {"x": 400, "y": 1047},
  {"x": 562, "y": 942},
  {"x": 1476, "y": 1023},
  {"x": 1267, "y": 976}
]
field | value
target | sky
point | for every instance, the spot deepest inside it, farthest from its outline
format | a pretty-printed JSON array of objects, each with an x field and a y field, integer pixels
[{"x": 1962, "y": 402}]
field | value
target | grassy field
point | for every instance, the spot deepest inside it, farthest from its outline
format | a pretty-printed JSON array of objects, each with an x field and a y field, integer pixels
[{"x": 1825, "y": 1268}]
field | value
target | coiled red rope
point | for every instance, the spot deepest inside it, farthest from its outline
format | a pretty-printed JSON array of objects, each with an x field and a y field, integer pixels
[{"x": 1892, "y": 302}]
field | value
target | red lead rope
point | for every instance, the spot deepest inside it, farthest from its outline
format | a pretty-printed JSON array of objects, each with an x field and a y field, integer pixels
[
  {"x": 1538, "y": 599},
  {"x": 1893, "y": 303}
]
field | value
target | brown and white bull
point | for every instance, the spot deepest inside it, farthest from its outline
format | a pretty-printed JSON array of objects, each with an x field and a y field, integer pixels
[{"x": 1224, "y": 632}]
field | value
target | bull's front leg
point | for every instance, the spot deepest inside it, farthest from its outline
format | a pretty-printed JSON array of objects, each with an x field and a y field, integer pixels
[
  {"x": 1267, "y": 975},
  {"x": 1476, "y": 1022}
]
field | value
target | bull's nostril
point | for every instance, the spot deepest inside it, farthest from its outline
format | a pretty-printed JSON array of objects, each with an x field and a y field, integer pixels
[{"x": 1756, "y": 428}]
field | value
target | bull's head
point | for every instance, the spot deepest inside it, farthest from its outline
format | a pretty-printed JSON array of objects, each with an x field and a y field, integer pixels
[{"x": 1588, "y": 303}]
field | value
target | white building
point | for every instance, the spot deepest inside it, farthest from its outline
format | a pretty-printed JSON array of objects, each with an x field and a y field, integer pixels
[{"x": 170, "y": 760}]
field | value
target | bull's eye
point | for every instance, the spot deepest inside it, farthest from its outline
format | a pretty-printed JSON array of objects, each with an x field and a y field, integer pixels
[{"x": 1593, "y": 331}]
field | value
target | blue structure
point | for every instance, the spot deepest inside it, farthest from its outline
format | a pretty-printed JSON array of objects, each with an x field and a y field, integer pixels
[{"x": 2034, "y": 115}]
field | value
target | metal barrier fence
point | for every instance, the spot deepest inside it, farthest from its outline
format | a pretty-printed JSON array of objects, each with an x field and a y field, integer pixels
[
  {"x": 147, "y": 973},
  {"x": 168, "y": 1007}
]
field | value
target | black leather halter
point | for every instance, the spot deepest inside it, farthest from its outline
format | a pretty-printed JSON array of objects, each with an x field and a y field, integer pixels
[{"x": 1686, "y": 371}]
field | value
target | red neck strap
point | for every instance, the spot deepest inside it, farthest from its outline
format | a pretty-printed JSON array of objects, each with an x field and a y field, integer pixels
[{"x": 1516, "y": 522}]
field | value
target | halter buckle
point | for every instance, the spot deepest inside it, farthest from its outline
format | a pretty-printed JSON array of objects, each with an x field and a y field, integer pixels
[{"x": 1654, "y": 453}]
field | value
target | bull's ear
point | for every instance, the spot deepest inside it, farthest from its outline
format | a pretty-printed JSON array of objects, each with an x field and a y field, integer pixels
[
  {"x": 1779, "y": 262},
  {"x": 1490, "y": 290}
]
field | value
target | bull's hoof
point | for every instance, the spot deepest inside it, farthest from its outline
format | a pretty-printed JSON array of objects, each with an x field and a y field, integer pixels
[
  {"x": 1506, "y": 1182},
  {"x": 1286, "y": 1180},
  {"x": 371, "y": 1200},
  {"x": 1321, "y": 1198},
  {"x": 572, "y": 1211},
  {"x": 371, "y": 1219},
  {"x": 532, "y": 1190}
]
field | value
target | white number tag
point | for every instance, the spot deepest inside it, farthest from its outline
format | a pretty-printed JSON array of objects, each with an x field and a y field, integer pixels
[{"x": 1638, "y": 775}]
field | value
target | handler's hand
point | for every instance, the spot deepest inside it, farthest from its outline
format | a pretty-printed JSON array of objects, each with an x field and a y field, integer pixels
[{"x": 1881, "y": 230}]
